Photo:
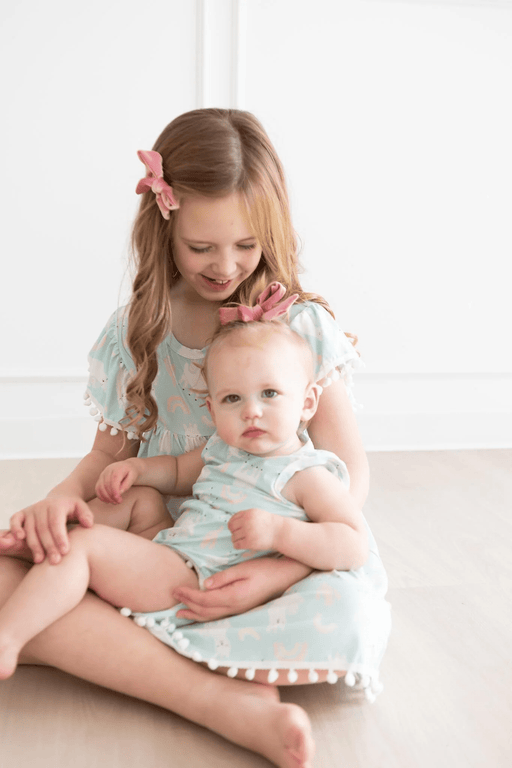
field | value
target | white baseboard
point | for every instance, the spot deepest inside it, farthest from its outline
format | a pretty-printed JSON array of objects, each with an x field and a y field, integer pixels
[
  {"x": 435, "y": 431},
  {"x": 43, "y": 416}
]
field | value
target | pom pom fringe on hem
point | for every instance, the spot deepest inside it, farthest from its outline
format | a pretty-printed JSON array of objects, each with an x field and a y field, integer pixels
[{"x": 355, "y": 677}]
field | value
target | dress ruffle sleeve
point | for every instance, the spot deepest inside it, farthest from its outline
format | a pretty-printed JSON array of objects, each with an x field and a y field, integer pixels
[
  {"x": 334, "y": 355},
  {"x": 110, "y": 369}
]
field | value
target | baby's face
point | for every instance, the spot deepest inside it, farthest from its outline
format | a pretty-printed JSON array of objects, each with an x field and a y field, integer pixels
[{"x": 259, "y": 394}]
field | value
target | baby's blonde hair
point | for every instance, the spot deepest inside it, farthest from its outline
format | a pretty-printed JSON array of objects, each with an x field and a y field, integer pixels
[
  {"x": 257, "y": 333},
  {"x": 212, "y": 153}
]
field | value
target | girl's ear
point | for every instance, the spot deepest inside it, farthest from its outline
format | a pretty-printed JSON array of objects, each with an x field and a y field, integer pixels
[{"x": 311, "y": 399}]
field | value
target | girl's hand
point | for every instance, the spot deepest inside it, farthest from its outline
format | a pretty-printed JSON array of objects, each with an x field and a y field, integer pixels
[
  {"x": 254, "y": 529},
  {"x": 240, "y": 588},
  {"x": 43, "y": 526},
  {"x": 115, "y": 480}
]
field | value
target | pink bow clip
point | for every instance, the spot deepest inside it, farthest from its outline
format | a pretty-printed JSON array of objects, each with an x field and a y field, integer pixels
[
  {"x": 154, "y": 181},
  {"x": 268, "y": 306}
]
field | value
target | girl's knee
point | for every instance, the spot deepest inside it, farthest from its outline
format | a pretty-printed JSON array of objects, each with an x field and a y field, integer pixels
[{"x": 144, "y": 494}]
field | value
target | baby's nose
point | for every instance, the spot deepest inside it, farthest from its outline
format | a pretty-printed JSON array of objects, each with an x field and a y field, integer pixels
[{"x": 252, "y": 409}]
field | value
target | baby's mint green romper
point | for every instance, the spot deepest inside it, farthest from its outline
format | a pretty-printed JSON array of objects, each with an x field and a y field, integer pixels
[
  {"x": 337, "y": 620},
  {"x": 231, "y": 481}
]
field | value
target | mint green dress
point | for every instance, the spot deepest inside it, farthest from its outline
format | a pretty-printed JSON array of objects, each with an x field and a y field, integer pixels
[{"x": 336, "y": 620}]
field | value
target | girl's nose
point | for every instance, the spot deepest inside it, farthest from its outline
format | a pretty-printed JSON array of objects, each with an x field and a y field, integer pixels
[{"x": 224, "y": 264}]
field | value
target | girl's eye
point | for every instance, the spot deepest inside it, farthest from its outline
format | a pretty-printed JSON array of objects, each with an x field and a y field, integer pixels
[
  {"x": 231, "y": 399},
  {"x": 269, "y": 393},
  {"x": 250, "y": 247},
  {"x": 200, "y": 250}
]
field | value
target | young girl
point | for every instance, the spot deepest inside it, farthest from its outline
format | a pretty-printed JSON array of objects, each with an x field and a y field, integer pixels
[
  {"x": 260, "y": 485},
  {"x": 213, "y": 226}
]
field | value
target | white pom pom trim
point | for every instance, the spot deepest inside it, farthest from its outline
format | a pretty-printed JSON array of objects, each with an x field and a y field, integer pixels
[{"x": 350, "y": 679}]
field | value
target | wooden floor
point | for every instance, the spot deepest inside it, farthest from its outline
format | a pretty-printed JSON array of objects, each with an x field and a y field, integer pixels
[{"x": 443, "y": 521}]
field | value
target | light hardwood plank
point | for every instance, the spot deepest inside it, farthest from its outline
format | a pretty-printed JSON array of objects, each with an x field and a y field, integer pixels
[{"x": 444, "y": 526}]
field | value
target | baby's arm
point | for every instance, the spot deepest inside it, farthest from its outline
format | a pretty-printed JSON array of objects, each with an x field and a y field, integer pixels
[
  {"x": 168, "y": 474},
  {"x": 335, "y": 538}
]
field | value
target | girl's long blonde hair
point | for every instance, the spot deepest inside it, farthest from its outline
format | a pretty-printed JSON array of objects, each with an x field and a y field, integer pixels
[{"x": 212, "y": 153}]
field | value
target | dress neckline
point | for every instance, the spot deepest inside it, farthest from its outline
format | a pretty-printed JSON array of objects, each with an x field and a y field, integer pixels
[{"x": 181, "y": 349}]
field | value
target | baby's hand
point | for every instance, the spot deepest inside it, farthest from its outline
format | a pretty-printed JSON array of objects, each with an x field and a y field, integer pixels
[
  {"x": 115, "y": 480},
  {"x": 254, "y": 529}
]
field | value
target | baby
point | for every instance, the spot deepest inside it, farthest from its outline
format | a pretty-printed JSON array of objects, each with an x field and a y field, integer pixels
[{"x": 259, "y": 488}]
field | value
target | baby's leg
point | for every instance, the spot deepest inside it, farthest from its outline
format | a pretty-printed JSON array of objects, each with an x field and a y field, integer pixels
[
  {"x": 142, "y": 511},
  {"x": 120, "y": 567}
]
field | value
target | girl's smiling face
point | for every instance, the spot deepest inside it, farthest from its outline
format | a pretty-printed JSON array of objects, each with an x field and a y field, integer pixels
[{"x": 213, "y": 245}]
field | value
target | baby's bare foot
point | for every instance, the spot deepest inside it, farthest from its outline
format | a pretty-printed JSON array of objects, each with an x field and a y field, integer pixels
[{"x": 8, "y": 659}]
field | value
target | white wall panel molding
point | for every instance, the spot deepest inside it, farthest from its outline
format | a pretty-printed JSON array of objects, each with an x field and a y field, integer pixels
[
  {"x": 457, "y": 3},
  {"x": 220, "y": 64},
  {"x": 422, "y": 411},
  {"x": 43, "y": 414}
]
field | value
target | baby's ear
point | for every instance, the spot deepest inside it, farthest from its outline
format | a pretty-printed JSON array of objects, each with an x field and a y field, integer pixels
[
  {"x": 311, "y": 399},
  {"x": 209, "y": 406}
]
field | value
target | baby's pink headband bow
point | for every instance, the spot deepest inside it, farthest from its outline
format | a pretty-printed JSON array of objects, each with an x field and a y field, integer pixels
[
  {"x": 154, "y": 180},
  {"x": 268, "y": 306}
]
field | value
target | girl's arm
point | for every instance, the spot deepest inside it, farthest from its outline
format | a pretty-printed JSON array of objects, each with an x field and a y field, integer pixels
[
  {"x": 335, "y": 538},
  {"x": 43, "y": 524},
  {"x": 240, "y": 588},
  {"x": 334, "y": 428}
]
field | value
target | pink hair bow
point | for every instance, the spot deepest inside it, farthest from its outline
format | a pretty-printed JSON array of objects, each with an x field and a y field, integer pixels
[
  {"x": 268, "y": 306},
  {"x": 154, "y": 181}
]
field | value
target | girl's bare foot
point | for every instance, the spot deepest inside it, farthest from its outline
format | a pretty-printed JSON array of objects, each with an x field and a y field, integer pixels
[
  {"x": 253, "y": 717},
  {"x": 13, "y": 547},
  {"x": 293, "y": 745}
]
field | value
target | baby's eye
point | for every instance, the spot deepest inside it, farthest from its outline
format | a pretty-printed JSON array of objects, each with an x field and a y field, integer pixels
[
  {"x": 269, "y": 393},
  {"x": 231, "y": 399}
]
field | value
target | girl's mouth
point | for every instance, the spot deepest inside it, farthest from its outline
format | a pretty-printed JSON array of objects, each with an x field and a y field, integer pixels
[{"x": 216, "y": 285}]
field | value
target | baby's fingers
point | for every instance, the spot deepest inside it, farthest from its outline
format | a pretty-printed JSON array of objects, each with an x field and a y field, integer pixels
[{"x": 104, "y": 490}]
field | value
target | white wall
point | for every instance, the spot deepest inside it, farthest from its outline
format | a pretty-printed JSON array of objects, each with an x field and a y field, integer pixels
[{"x": 393, "y": 119}]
